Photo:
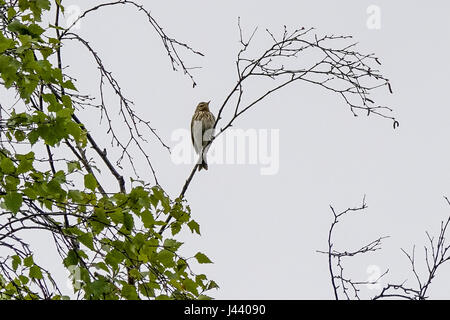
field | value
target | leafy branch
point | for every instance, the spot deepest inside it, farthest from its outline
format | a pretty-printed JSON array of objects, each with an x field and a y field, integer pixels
[{"x": 105, "y": 237}]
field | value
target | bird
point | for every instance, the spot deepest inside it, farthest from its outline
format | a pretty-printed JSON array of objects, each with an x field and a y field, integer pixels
[{"x": 202, "y": 130}]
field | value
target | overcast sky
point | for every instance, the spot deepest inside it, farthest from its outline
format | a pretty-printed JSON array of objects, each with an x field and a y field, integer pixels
[{"x": 262, "y": 231}]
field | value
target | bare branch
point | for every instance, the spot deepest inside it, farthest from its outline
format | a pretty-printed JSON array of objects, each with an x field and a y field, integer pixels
[
  {"x": 171, "y": 44},
  {"x": 337, "y": 67},
  {"x": 339, "y": 282}
]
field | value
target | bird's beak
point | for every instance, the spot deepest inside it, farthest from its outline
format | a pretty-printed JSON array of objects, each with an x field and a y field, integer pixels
[{"x": 208, "y": 102}]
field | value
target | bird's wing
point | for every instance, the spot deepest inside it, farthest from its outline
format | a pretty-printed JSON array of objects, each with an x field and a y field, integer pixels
[
  {"x": 196, "y": 134},
  {"x": 192, "y": 131},
  {"x": 208, "y": 124}
]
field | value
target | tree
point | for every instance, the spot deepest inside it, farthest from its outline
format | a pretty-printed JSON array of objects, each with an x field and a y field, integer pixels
[
  {"x": 55, "y": 174},
  {"x": 105, "y": 235},
  {"x": 437, "y": 253}
]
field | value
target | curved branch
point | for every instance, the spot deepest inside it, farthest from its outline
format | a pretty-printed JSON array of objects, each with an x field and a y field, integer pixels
[
  {"x": 339, "y": 69},
  {"x": 170, "y": 44}
]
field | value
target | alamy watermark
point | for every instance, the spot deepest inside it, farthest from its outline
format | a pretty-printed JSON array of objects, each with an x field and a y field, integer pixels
[
  {"x": 235, "y": 146},
  {"x": 373, "y": 280},
  {"x": 374, "y": 17},
  {"x": 72, "y": 14}
]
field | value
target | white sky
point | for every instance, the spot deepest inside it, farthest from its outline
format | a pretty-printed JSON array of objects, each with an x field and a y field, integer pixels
[{"x": 262, "y": 232}]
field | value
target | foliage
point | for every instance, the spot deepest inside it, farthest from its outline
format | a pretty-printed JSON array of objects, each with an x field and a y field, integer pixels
[{"x": 107, "y": 239}]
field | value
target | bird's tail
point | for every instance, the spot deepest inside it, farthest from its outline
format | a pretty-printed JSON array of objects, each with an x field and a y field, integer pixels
[
  {"x": 203, "y": 165},
  {"x": 202, "y": 159}
]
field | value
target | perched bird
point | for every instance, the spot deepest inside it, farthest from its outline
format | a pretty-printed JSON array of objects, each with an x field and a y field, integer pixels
[{"x": 202, "y": 131}]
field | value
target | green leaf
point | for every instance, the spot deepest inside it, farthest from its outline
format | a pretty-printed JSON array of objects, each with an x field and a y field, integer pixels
[
  {"x": 190, "y": 286},
  {"x": 43, "y": 4},
  {"x": 212, "y": 285},
  {"x": 129, "y": 292},
  {"x": 69, "y": 85},
  {"x": 30, "y": 193},
  {"x": 181, "y": 265},
  {"x": 13, "y": 201},
  {"x": 55, "y": 27},
  {"x": 172, "y": 244},
  {"x": 11, "y": 13},
  {"x": 46, "y": 52},
  {"x": 7, "y": 166},
  {"x": 147, "y": 290},
  {"x": 71, "y": 259},
  {"x": 73, "y": 129},
  {"x": 28, "y": 261},
  {"x": 25, "y": 165},
  {"x": 76, "y": 195},
  {"x": 128, "y": 221},
  {"x": 99, "y": 220},
  {"x": 64, "y": 113},
  {"x": 8, "y": 70},
  {"x": 35, "y": 272},
  {"x": 113, "y": 258},
  {"x": 166, "y": 258},
  {"x": 24, "y": 279},
  {"x": 73, "y": 165},
  {"x": 16, "y": 261},
  {"x": 33, "y": 136},
  {"x": 88, "y": 240},
  {"x": 59, "y": 177},
  {"x": 117, "y": 216},
  {"x": 54, "y": 41},
  {"x": 27, "y": 85},
  {"x": 102, "y": 266},
  {"x": 175, "y": 228},
  {"x": 90, "y": 182},
  {"x": 97, "y": 288},
  {"x": 11, "y": 183},
  {"x": 19, "y": 135},
  {"x": 58, "y": 2},
  {"x": 134, "y": 274},
  {"x": 53, "y": 104},
  {"x": 147, "y": 219},
  {"x": 67, "y": 101},
  {"x": 194, "y": 226},
  {"x": 35, "y": 30},
  {"x": 17, "y": 27},
  {"x": 202, "y": 258},
  {"x": 5, "y": 43}
]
